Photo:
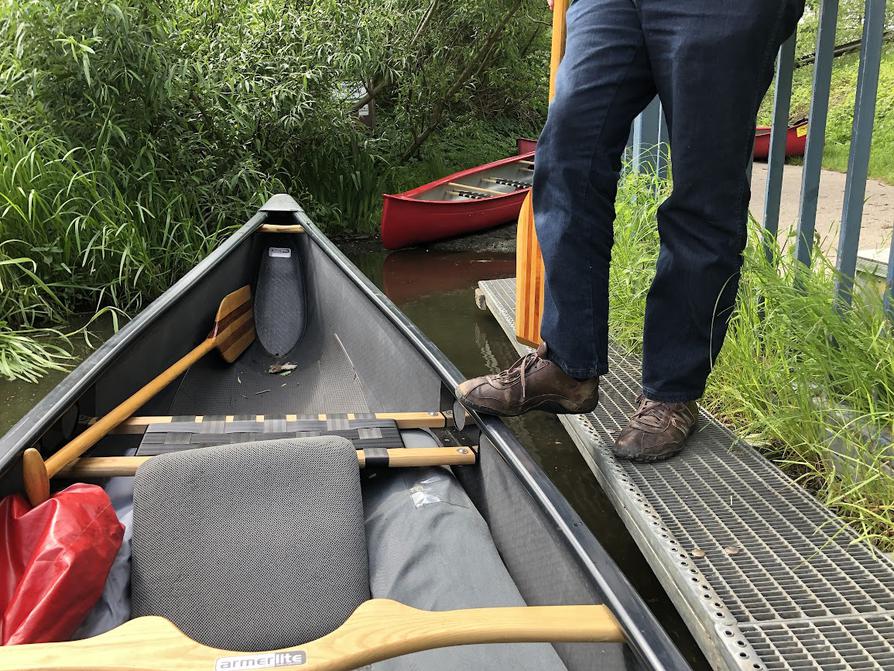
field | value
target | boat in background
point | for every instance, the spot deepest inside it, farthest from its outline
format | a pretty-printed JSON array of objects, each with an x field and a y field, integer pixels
[
  {"x": 492, "y": 194},
  {"x": 525, "y": 145},
  {"x": 795, "y": 140},
  {"x": 464, "y": 202}
]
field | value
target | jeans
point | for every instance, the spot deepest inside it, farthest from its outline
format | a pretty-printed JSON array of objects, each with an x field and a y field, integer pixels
[{"x": 710, "y": 62}]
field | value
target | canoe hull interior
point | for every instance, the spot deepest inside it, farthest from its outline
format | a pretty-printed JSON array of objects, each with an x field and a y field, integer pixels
[{"x": 357, "y": 354}]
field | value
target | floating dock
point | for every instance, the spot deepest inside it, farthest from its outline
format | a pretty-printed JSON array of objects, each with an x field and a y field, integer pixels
[{"x": 764, "y": 575}]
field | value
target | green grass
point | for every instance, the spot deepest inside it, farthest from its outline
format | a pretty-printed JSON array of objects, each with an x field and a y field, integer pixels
[
  {"x": 841, "y": 112},
  {"x": 790, "y": 361}
]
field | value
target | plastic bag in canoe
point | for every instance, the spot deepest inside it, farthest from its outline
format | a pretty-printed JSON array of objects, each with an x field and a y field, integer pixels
[{"x": 54, "y": 559}]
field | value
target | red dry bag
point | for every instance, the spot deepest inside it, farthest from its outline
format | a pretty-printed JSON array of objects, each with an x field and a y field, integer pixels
[{"x": 54, "y": 560}]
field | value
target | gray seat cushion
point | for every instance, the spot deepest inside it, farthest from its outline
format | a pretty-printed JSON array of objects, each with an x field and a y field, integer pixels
[{"x": 251, "y": 546}]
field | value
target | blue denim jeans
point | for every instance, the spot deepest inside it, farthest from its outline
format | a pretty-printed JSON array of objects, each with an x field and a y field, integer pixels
[{"x": 710, "y": 62}]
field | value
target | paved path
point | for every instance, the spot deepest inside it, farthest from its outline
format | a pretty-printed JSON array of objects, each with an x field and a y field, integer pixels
[{"x": 878, "y": 209}]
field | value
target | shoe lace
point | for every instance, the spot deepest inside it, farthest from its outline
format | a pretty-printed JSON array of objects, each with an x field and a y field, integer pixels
[
  {"x": 519, "y": 370},
  {"x": 659, "y": 410},
  {"x": 649, "y": 408}
]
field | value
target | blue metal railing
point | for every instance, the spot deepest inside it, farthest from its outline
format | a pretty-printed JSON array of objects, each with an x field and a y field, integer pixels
[{"x": 649, "y": 134}]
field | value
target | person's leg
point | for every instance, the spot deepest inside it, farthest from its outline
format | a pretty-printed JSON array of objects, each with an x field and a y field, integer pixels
[
  {"x": 602, "y": 84},
  {"x": 713, "y": 62}
]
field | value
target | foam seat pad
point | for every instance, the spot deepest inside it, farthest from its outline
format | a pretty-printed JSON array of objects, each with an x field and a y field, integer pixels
[
  {"x": 430, "y": 548},
  {"x": 251, "y": 546}
]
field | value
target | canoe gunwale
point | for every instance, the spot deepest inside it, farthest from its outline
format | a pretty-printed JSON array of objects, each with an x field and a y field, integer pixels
[
  {"x": 488, "y": 199},
  {"x": 441, "y": 181}
]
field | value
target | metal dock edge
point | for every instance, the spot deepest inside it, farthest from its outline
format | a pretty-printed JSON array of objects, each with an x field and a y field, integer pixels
[{"x": 764, "y": 575}]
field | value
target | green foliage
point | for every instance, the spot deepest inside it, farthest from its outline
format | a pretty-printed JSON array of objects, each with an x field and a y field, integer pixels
[
  {"x": 135, "y": 134},
  {"x": 794, "y": 371}
]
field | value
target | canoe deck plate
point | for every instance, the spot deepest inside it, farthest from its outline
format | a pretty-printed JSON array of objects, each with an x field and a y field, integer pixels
[
  {"x": 184, "y": 433},
  {"x": 765, "y": 576}
]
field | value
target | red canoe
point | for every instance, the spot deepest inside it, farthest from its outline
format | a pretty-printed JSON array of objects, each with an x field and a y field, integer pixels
[
  {"x": 464, "y": 202},
  {"x": 795, "y": 140},
  {"x": 525, "y": 145}
]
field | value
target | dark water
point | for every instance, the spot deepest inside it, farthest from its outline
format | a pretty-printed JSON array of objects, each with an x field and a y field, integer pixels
[
  {"x": 436, "y": 290},
  {"x": 17, "y": 398}
]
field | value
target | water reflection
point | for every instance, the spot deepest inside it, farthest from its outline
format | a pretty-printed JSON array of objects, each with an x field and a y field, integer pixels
[{"x": 416, "y": 273}]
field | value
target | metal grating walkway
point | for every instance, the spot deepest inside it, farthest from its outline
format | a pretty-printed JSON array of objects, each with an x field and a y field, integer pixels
[{"x": 764, "y": 575}]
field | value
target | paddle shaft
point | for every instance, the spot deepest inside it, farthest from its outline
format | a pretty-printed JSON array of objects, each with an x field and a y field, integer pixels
[
  {"x": 95, "y": 432},
  {"x": 232, "y": 332},
  {"x": 379, "y": 629},
  {"x": 37, "y": 473},
  {"x": 401, "y": 457}
]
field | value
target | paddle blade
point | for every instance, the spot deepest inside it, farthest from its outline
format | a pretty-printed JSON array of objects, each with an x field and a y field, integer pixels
[
  {"x": 234, "y": 325},
  {"x": 528, "y": 278},
  {"x": 529, "y": 272}
]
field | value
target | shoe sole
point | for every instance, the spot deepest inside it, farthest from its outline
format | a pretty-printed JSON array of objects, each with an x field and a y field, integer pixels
[{"x": 546, "y": 405}]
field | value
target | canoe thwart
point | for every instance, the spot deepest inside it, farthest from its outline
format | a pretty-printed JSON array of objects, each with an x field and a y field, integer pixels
[
  {"x": 379, "y": 629},
  {"x": 281, "y": 228},
  {"x": 514, "y": 183},
  {"x": 404, "y": 420},
  {"x": 480, "y": 189},
  {"x": 403, "y": 457}
]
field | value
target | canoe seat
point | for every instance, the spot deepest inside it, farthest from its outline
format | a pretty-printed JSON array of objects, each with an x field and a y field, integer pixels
[
  {"x": 187, "y": 433},
  {"x": 251, "y": 546}
]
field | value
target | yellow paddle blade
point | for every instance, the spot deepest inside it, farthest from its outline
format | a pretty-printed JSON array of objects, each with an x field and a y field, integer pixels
[
  {"x": 379, "y": 629},
  {"x": 528, "y": 278},
  {"x": 234, "y": 325},
  {"x": 528, "y": 259}
]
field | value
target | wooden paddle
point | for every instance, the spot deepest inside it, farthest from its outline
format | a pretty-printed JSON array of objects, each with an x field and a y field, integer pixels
[
  {"x": 232, "y": 333},
  {"x": 528, "y": 259},
  {"x": 402, "y": 457},
  {"x": 379, "y": 629}
]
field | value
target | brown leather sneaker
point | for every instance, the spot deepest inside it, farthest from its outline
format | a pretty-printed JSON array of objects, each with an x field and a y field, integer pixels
[
  {"x": 657, "y": 430},
  {"x": 531, "y": 383}
]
